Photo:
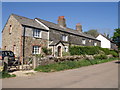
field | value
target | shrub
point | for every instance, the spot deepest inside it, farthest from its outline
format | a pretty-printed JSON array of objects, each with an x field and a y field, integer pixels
[
  {"x": 65, "y": 53},
  {"x": 39, "y": 55},
  {"x": 101, "y": 56},
  {"x": 114, "y": 53},
  {"x": 105, "y": 50},
  {"x": 47, "y": 51},
  {"x": 79, "y": 50}
]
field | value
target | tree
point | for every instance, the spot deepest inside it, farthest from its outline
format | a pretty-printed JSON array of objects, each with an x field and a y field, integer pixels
[
  {"x": 92, "y": 32},
  {"x": 116, "y": 37}
]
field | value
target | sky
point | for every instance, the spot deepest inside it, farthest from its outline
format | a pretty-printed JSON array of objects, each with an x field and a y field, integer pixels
[{"x": 102, "y": 16}]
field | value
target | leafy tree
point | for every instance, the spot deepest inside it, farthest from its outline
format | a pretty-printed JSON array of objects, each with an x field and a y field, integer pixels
[
  {"x": 92, "y": 32},
  {"x": 116, "y": 37}
]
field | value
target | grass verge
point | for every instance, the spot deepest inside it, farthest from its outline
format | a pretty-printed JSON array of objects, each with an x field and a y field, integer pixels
[
  {"x": 70, "y": 65},
  {"x": 6, "y": 75}
]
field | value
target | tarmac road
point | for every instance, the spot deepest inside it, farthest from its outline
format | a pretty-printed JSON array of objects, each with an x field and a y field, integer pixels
[{"x": 96, "y": 76}]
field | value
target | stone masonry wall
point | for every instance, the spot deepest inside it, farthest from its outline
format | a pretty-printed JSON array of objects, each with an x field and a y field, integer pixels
[
  {"x": 73, "y": 39},
  {"x": 12, "y": 41},
  {"x": 30, "y": 41}
]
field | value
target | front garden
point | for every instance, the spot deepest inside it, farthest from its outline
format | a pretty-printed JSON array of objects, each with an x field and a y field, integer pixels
[{"x": 79, "y": 56}]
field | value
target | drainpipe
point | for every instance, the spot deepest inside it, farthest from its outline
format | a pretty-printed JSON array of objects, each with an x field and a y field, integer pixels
[{"x": 23, "y": 44}]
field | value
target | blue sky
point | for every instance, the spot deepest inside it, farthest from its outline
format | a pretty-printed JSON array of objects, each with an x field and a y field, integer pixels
[{"x": 102, "y": 16}]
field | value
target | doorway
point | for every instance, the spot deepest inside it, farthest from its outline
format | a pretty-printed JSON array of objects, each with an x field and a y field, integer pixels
[{"x": 59, "y": 51}]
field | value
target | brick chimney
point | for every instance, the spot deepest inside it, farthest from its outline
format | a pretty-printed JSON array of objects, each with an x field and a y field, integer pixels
[
  {"x": 62, "y": 21},
  {"x": 79, "y": 27}
]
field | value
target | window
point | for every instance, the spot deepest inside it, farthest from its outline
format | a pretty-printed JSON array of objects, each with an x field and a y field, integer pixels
[
  {"x": 36, "y": 49},
  {"x": 14, "y": 49},
  {"x": 10, "y": 30},
  {"x": 95, "y": 44},
  {"x": 66, "y": 48},
  {"x": 65, "y": 38},
  {"x": 37, "y": 33},
  {"x": 83, "y": 41},
  {"x": 90, "y": 40}
]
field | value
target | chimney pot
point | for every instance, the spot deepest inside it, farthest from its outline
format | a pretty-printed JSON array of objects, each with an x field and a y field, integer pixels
[
  {"x": 62, "y": 21},
  {"x": 79, "y": 27}
]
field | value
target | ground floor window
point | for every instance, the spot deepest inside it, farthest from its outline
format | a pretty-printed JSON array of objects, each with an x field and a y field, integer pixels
[
  {"x": 36, "y": 49},
  {"x": 66, "y": 48},
  {"x": 95, "y": 44}
]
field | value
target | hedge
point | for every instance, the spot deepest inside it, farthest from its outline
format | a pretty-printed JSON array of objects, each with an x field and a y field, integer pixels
[
  {"x": 91, "y": 50},
  {"x": 79, "y": 50}
]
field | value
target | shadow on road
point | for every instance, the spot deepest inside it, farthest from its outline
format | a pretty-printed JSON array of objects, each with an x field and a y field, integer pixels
[{"x": 118, "y": 62}]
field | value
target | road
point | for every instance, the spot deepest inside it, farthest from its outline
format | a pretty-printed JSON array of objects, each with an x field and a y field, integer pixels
[{"x": 97, "y": 76}]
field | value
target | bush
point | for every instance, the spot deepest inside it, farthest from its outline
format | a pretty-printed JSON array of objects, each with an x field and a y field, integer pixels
[
  {"x": 105, "y": 50},
  {"x": 114, "y": 53},
  {"x": 101, "y": 56},
  {"x": 79, "y": 50},
  {"x": 65, "y": 53},
  {"x": 47, "y": 51}
]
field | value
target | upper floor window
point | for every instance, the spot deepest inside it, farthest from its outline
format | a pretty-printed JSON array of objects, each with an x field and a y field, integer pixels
[
  {"x": 37, "y": 33},
  {"x": 10, "y": 29},
  {"x": 90, "y": 41},
  {"x": 65, "y": 38},
  {"x": 36, "y": 49},
  {"x": 83, "y": 41}
]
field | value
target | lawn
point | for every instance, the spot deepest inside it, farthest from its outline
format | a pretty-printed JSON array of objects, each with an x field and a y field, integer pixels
[{"x": 70, "y": 65}]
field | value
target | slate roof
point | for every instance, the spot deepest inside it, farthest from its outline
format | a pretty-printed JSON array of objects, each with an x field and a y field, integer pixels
[
  {"x": 65, "y": 29},
  {"x": 56, "y": 42},
  {"x": 28, "y": 22},
  {"x": 107, "y": 38},
  {"x": 32, "y": 23}
]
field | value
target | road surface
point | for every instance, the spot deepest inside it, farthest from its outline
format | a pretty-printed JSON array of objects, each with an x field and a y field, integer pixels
[{"x": 96, "y": 76}]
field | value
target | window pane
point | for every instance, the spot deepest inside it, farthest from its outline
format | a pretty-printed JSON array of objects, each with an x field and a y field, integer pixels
[
  {"x": 36, "y": 49},
  {"x": 37, "y": 33}
]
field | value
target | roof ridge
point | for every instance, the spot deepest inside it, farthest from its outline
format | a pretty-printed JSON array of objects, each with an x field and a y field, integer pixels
[
  {"x": 46, "y": 20},
  {"x": 21, "y": 16}
]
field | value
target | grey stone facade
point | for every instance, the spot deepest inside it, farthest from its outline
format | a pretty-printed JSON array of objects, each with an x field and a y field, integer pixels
[
  {"x": 12, "y": 41},
  {"x": 72, "y": 39},
  {"x": 20, "y": 39},
  {"x": 17, "y": 36}
]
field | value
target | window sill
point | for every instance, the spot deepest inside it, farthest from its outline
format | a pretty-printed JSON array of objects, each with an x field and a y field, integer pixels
[{"x": 38, "y": 37}]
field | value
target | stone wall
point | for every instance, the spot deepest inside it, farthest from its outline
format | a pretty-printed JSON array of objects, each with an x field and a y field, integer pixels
[
  {"x": 73, "y": 39},
  {"x": 30, "y": 41},
  {"x": 12, "y": 41}
]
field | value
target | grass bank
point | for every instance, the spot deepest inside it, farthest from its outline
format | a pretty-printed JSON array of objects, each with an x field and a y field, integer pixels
[
  {"x": 70, "y": 65},
  {"x": 6, "y": 75}
]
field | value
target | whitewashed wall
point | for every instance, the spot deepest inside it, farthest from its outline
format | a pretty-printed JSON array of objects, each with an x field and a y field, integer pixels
[{"x": 105, "y": 43}]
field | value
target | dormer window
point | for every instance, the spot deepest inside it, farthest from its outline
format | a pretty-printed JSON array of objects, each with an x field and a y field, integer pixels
[
  {"x": 36, "y": 33},
  {"x": 83, "y": 41},
  {"x": 65, "y": 38},
  {"x": 10, "y": 29}
]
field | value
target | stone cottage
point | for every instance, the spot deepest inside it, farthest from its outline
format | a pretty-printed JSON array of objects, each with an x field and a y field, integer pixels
[{"x": 26, "y": 37}]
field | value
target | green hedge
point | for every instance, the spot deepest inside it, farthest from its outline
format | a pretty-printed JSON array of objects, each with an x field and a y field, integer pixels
[
  {"x": 87, "y": 50},
  {"x": 79, "y": 50}
]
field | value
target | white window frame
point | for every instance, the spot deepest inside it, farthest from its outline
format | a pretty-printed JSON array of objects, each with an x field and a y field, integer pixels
[
  {"x": 83, "y": 41},
  {"x": 64, "y": 37},
  {"x": 66, "y": 48},
  {"x": 95, "y": 44},
  {"x": 36, "y": 49},
  {"x": 10, "y": 29},
  {"x": 37, "y": 33}
]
